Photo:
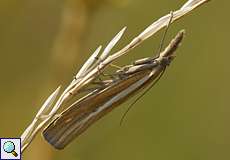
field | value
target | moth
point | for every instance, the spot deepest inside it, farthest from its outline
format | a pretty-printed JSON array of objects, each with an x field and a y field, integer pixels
[{"x": 127, "y": 82}]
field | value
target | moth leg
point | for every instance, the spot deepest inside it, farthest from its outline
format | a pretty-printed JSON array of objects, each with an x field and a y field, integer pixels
[
  {"x": 87, "y": 90},
  {"x": 143, "y": 61},
  {"x": 103, "y": 83},
  {"x": 98, "y": 85},
  {"x": 45, "y": 116},
  {"x": 115, "y": 66},
  {"x": 57, "y": 115},
  {"x": 112, "y": 76},
  {"x": 101, "y": 73}
]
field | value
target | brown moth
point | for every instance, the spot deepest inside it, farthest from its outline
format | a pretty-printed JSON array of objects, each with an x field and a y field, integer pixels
[{"x": 129, "y": 80}]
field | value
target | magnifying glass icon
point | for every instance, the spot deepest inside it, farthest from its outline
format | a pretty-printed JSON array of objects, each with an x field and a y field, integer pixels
[{"x": 9, "y": 147}]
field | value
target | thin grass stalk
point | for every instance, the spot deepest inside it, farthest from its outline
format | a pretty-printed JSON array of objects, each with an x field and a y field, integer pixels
[{"x": 50, "y": 109}]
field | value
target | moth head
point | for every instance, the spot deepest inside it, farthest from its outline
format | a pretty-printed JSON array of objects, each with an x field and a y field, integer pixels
[{"x": 169, "y": 52}]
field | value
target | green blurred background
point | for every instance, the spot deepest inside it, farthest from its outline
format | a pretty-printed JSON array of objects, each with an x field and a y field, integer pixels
[{"x": 185, "y": 116}]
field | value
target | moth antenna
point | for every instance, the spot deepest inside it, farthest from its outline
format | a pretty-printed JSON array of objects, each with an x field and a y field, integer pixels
[
  {"x": 139, "y": 97},
  {"x": 158, "y": 54},
  {"x": 164, "y": 35}
]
